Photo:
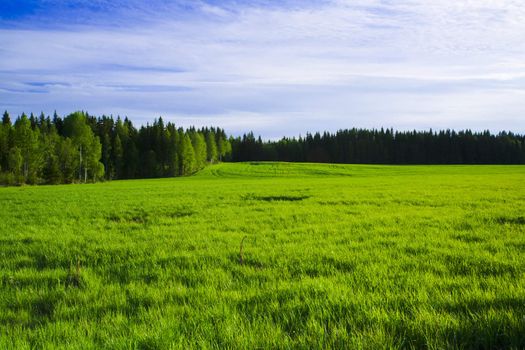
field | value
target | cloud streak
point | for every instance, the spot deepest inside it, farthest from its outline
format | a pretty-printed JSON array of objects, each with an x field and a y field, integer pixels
[{"x": 278, "y": 70}]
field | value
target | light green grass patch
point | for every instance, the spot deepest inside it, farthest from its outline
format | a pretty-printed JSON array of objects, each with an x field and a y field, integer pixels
[{"x": 335, "y": 256}]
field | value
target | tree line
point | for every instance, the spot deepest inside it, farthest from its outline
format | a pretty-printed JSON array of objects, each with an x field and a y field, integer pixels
[
  {"x": 84, "y": 148},
  {"x": 386, "y": 146}
]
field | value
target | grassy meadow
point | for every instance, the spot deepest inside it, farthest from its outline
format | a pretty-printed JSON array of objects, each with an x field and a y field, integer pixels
[{"x": 334, "y": 256}]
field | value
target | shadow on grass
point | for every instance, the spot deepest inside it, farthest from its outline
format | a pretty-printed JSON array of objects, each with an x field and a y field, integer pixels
[
  {"x": 516, "y": 220},
  {"x": 276, "y": 198}
]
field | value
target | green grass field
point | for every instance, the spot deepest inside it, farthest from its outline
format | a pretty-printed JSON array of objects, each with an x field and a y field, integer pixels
[{"x": 335, "y": 256}]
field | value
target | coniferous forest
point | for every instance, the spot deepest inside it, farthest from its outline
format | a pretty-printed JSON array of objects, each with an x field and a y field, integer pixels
[
  {"x": 386, "y": 146},
  {"x": 84, "y": 148}
]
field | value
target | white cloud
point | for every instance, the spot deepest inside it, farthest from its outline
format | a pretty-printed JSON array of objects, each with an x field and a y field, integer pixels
[{"x": 371, "y": 63}]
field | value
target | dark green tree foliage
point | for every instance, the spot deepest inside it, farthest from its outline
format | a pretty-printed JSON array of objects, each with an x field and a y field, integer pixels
[
  {"x": 68, "y": 160},
  {"x": 83, "y": 148},
  {"x": 5, "y": 130},
  {"x": 117, "y": 158},
  {"x": 50, "y": 143},
  {"x": 26, "y": 139},
  {"x": 15, "y": 162},
  {"x": 6, "y": 119},
  {"x": 386, "y": 147},
  {"x": 104, "y": 130}
]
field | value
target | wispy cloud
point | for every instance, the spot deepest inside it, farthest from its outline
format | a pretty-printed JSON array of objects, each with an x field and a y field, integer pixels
[{"x": 276, "y": 69}]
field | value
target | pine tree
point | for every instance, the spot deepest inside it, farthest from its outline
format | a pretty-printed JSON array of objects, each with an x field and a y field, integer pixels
[
  {"x": 6, "y": 120},
  {"x": 4, "y": 145},
  {"x": 118, "y": 157}
]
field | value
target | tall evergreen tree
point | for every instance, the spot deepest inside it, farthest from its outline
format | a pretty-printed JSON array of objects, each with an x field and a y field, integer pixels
[
  {"x": 118, "y": 157},
  {"x": 4, "y": 145},
  {"x": 6, "y": 119},
  {"x": 81, "y": 146}
]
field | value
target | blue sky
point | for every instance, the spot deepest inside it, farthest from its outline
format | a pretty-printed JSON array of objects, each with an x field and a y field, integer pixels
[{"x": 274, "y": 67}]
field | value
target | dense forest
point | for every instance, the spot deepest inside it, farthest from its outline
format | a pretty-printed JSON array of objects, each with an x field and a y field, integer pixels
[
  {"x": 83, "y": 148},
  {"x": 386, "y": 147}
]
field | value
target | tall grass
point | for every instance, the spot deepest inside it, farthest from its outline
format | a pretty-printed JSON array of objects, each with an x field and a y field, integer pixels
[{"x": 337, "y": 256}]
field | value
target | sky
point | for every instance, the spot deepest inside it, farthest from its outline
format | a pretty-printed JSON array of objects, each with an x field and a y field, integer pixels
[{"x": 278, "y": 68}]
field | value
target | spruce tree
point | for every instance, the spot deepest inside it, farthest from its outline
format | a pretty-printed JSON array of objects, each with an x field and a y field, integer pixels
[
  {"x": 118, "y": 157},
  {"x": 6, "y": 120},
  {"x": 4, "y": 146}
]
